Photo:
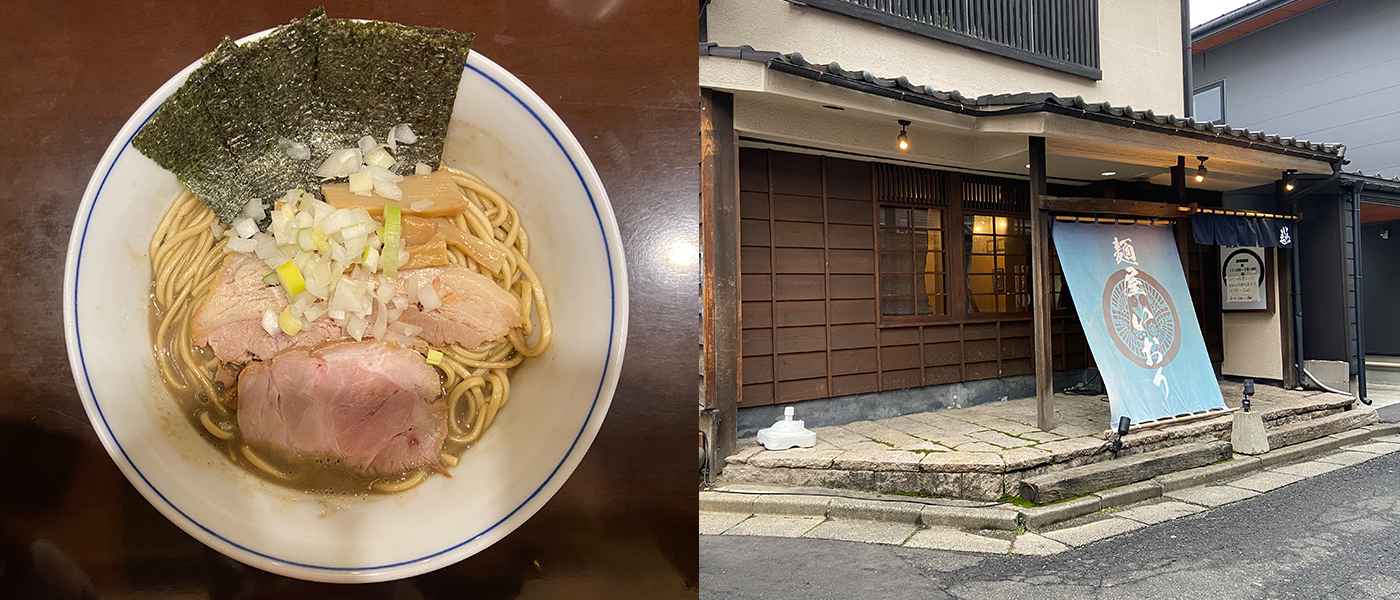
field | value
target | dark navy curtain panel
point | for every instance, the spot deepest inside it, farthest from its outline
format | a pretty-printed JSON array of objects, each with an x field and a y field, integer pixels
[{"x": 1226, "y": 230}]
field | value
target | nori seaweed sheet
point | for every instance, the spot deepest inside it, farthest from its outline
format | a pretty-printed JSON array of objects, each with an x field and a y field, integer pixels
[{"x": 319, "y": 81}]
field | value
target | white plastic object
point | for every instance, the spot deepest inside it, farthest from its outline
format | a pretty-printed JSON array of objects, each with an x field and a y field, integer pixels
[{"x": 786, "y": 433}]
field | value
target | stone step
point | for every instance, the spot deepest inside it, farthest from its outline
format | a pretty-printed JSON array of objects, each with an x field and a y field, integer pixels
[
  {"x": 1086, "y": 479},
  {"x": 1383, "y": 369},
  {"x": 1302, "y": 431}
]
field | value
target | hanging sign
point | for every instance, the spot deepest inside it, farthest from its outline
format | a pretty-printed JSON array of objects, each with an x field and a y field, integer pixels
[
  {"x": 1138, "y": 318},
  {"x": 1243, "y": 284}
]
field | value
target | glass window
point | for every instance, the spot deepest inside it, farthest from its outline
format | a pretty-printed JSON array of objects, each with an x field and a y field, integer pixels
[
  {"x": 911, "y": 262},
  {"x": 997, "y": 251},
  {"x": 1208, "y": 103}
]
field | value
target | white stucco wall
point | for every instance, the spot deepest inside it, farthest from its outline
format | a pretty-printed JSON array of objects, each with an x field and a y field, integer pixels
[
  {"x": 1139, "y": 48},
  {"x": 1253, "y": 340}
]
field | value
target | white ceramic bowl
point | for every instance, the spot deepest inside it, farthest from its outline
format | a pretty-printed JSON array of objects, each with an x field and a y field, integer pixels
[{"x": 505, "y": 134}]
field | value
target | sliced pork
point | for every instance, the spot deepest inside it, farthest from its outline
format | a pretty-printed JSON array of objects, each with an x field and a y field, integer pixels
[
  {"x": 368, "y": 404},
  {"x": 230, "y": 319},
  {"x": 474, "y": 309}
]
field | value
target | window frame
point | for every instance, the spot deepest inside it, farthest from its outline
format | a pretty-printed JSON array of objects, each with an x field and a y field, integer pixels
[
  {"x": 993, "y": 316},
  {"x": 883, "y": 320},
  {"x": 1218, "y": 84}
]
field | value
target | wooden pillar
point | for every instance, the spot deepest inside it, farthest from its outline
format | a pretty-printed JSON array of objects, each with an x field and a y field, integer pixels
[
  {"x": 719, "y": 297},
  {"x": 1040, "y": 289},
  {"x": 1287, "y": 333}
]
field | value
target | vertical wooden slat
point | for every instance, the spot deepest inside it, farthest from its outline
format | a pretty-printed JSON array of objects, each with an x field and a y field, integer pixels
[
  {"x": 1040, "y": 267},
  {"x": 826, "y": 273}
]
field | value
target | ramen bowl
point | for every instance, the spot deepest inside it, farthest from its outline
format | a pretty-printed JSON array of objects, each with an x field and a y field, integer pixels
[{"x": 505, "y": 134}]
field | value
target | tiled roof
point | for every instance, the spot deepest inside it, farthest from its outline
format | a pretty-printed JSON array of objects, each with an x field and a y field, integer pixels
[{"x": 1004, "y": 104}]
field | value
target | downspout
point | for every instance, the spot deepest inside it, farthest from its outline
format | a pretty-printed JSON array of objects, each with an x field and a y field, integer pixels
[
  {"x": 1298, "y": 282},
  {"x": 1356, "y": 278},
  {"x": 1187, "y": 78}
]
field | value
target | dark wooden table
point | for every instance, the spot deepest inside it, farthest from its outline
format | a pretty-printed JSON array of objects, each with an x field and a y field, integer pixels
[{"x": 621, "y": 74}]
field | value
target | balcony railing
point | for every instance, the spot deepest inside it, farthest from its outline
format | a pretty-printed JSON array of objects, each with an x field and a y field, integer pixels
[{"x": 1055, "y": 34}]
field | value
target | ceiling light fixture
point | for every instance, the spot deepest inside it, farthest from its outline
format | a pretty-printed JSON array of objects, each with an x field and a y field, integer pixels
[
  {"x": 1201, "y": 170},
  {"x": 1288, "y": 182},
  {"x": 1108, "y": 173},
  {"x": 903, "y": 138}
]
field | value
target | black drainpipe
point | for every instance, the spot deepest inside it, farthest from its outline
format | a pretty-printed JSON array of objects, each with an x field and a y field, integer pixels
[
  {"x": 1188, "y": 86},
  {"x": 1298, "y": 276},
  {"x": 1356, "y": 278}
]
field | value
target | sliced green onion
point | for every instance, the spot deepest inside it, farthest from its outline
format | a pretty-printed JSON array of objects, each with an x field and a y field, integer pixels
[
  {"x": 393, "y": 228},
  {"x": 319, "y": 237},
  {"x": 304, "y": 240},
  {"x": 271, "y": 278},
  {"x": 291, "y": 277},
  {"x": 289, "y": 325}
]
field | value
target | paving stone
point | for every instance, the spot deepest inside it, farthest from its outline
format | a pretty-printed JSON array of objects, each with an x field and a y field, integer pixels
[
  {"x": 948, "y": 423},
  {"x": 1266, "y": 481},
  {"x": 978, "y": 446},
  {"x": 727, "y": 502},
  {"x": 1088, "y": 533},
  {"x": 874, "y": 510},
  {"x": 796, "y": 458},
  {"x": 884, "y": 434},
  {"x": 742, "y": 456},
  {"x": 936, "y": 447},
  {"x": 784, "y": 504},
  {"x": 962, "y": 462},
  {"x": 1151, "y": 514},
  {"x": 1073, "y": 431},
  {"x": 998, "y": 438},
  {"x": 1393, "y": 438},
  {"x": 942, "y": 538},
  {"x": 775, "y": 526},
  {"x": 1347, "y": 458},
  {"x": 983, "y": 486},
  {"x": 945, "y": 485},
  {"x": 1376, "y": 448},
  {"x": 870, "y": 532},
  {"x": 1034, "y": 544},
  {"x": 839, "y": 436},
  {"x": 1024, "y": 458},
  {"x": 1041, "y": 436},
  {"x": 1308, "y": 468},
  {"x": 1212, "y": 495},
  {"x": 878, "y": 459},
  {"x": 1013, "y": 427},
  {"x": 716, "y": 523},
  {"x": 1072, "y": 447},
  {"x": 964, "y": 517}
]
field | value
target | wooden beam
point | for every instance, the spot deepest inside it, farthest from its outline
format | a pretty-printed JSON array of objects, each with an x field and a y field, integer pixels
[
  {"x": 1179, "y": 187},
  {"x": 719, "y": 216},
  {"x": 1040, "y": 286},
  {"x": 1111, "y": 206}
]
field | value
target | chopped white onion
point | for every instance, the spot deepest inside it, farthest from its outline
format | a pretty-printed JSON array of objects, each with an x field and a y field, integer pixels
[
  {"x": 338, "y": 220},
  {"x": 242, "y": 245},
  {"x": 254, "y": 209},
  {"x": 269, "y": 321},
  {"x": 356, "y": 326},
  {"x": 339, "y": 163},
  {"x": 400, "y": 302},
  {"x": 384, "y": 182},
  {"x": 361, "y": 183},
  {"x": 372, "y": 260},
  {"x": 381, "y": 321},
  {"x": 245, "y": 227},
  {"x": 218, "y": 228},
  {"x": 366, "y": 144},
  {"x": 379, "y": 157},
  {"x": 316, "y": 311},
  {"x": 422, "y": 169},
  {"x": 427, "y": 296},
  {"x": 293, "y": 149},
  {"x": 400, "y": 134}
]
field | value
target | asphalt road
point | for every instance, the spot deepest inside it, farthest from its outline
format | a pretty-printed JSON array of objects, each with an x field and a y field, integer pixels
[{"x": 1336, "y": 535}]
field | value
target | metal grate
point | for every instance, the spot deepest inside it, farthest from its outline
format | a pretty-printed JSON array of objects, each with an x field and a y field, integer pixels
[
  {"x": 982, "y": 192},
  {"x": 909, "y": 185},
  {"x": 1064, "y": 33}
]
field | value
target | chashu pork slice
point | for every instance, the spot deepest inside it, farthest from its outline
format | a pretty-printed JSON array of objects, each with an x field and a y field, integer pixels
[
  {"x": 230, "y": 318},
  {"x": 474, "y": 309},
  {"x": 367, "y": 404}
]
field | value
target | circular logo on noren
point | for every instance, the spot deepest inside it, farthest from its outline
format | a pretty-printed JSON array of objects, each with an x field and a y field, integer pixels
[{"x": 1141, "y": 318}]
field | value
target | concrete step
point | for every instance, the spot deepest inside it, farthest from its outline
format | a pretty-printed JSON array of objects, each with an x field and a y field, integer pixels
[
  {"x": 1311, "y": 429},
  {"x": 1090, "y": 478}
]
